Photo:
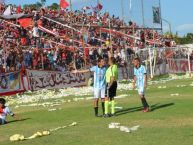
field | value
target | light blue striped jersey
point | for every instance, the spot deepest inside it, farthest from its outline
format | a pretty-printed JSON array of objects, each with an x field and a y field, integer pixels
[
  {"x": 99, "y": 77},
  {"x": 140, "y": 75}
]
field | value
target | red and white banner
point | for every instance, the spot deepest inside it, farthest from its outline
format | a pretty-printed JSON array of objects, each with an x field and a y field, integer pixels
[
  {"x": 179, "y": 65},
  {"x": 11, "y": 83},
  {"x": 55, "y": 80}
]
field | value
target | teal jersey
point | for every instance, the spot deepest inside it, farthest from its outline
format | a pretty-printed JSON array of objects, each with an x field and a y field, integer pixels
[
  {"x": 99, "y": 77},
  {"x": 140, "y": 75}
]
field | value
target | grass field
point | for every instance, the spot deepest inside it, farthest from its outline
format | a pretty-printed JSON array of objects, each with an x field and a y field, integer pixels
[{"x": 169, "y": 123}]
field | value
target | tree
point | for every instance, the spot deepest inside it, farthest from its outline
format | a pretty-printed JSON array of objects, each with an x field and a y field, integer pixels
[
  {"x": 38, "y": 5},
  {"x": 54, "y": 6},
  {"x": 32, "y": 6},
  {"x": 186, "y": 39},
  {"x": 43, "y": 2}
]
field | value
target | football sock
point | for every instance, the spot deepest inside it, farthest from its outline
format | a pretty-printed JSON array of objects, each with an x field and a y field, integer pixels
[
  {"x": 96, "y": 111},
  {"x": 112, "y": 107},
  {"x": 103, "y": 107},
  {"x": 144, "y": 102},
  {"x": 106, "y": 107}
]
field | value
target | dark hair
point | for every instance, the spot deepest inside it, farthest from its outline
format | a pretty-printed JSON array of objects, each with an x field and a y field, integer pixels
[
  {"x": 113, "y": 60},
  {"x": 137, "y": 58},
  {"x": 99, "y": 59},
  {"x": 2, "y": 101}
]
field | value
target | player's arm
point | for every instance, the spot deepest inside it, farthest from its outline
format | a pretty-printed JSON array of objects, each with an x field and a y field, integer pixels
[
  {"x": 145, "y": 77},
  {"x": 134, "y": 79},
  {"x": 16, "y": 117},
  {"x": 84, "y": 71},
  {"x": 81, "y": 71}
]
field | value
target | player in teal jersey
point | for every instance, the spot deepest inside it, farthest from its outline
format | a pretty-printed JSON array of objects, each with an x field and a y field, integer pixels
[{"x": 140, "y": 80}]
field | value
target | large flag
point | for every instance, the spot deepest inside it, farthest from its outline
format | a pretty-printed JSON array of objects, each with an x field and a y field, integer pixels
[
  {"x": 25, "y": 22},
  {"x": 156, "y": 15},
  {"x": 7, "y": 11},
  {"x": 63, "y": 4},
  {"x": 98, "y": 8}
]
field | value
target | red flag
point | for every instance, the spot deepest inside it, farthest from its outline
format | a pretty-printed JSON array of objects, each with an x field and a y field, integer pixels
[
  {"x": 18, "y": 9},
  {"x": 64, "y": 4},
  {"x": 98, "y": 8},
  {"x": 25, "y": 22},
  {"x": 86, "y": 8}
]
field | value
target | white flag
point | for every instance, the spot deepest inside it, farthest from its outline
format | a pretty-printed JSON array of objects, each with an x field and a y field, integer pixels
[{"x": 7, "y": 11}]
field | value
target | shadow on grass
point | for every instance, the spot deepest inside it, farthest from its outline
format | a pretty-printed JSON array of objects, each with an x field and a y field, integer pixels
[
  {"x": 136, "y": 109},
  {"x": 128, "y": 110},
  {"x": 160, "y": 106},
  {"x": 18, "y": 120}
]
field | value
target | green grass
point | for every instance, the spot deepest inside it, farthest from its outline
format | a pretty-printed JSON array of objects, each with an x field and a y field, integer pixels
[{"x": 170, "y": 122}]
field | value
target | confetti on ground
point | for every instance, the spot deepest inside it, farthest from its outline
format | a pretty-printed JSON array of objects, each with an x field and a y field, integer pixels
[
  {"x": 20, "y": 137},
  {"x": 50, "y": 110},
  {"x": 118, "y": 108},
  {"x": 174, "y": 94},
  {"x": 191, "y": 84},
  {"x": 122, "y": 96},
  {"x": 181, "y": 86},
  {"x": 42, "y": 98},
  {"x": 126, "y": 129},
  {"x": 162, "y": 87}
]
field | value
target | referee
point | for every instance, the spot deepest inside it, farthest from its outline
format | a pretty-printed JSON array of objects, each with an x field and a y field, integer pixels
[{"x": 111, "y": 89}]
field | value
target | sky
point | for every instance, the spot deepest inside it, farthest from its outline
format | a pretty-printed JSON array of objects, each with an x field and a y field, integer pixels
[{"x": 177, "y": 12}]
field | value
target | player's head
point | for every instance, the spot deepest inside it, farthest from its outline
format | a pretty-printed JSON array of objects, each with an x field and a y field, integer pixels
[
  {"x": 112, "y": 61},
  {"x": 2, "y": 102},
  {"x": 136, "y": 61},
  {"x": 101, "y": 62}
]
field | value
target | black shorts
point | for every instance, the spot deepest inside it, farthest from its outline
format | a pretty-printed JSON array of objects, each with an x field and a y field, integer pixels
[{"x": 112, "y": 91}]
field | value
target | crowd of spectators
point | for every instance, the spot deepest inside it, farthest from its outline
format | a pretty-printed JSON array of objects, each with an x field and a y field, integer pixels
[{"x": 69, "y": 39}]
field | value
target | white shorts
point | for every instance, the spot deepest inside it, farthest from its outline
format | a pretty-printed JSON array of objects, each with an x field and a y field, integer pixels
[
  {"x": 99, "y": 93},
  {"x": 141, "y": 90}
]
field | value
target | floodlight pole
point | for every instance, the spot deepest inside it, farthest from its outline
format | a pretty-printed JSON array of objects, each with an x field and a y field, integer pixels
[
  {"x": 161, "y": 15},
  {"x": 130, "y": 8},
  {"x": 122, "y": 8},
  {"x": 71, "y": 5},
  {"x": 169, "y": 24},
  {"x": 142, "y": 10}
]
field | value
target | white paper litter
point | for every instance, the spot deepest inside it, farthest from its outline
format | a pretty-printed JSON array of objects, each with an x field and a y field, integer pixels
[
  {"x": 115, "y": 125},
  {"x": 118, "y": 108},
  {"x": 162, "y": 87},
  {"x": 174, "y": 94},
  {"x": 19, "y": 137}
]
